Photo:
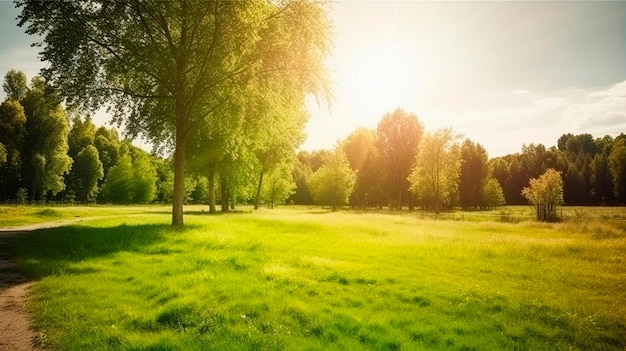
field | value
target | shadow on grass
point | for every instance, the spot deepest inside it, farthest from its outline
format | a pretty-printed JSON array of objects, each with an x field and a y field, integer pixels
[
  {"x": 218, "y": 213},
  {"x": 47, "y": 251},
  {"x": 205, "y": 213}
]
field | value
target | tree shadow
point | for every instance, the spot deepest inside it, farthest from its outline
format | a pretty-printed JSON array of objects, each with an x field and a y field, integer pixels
[{"x": 44, "y": 252}]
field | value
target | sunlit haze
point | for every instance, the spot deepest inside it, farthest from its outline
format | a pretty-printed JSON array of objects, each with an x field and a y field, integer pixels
[{"x": 501, "y": 73}]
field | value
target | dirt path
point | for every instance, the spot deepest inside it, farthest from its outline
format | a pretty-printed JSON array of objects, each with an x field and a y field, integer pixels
[{"x": 16, "y": 327}]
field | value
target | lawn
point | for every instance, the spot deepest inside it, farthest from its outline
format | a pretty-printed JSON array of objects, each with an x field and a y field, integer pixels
[{"x": 299, "y": 279}]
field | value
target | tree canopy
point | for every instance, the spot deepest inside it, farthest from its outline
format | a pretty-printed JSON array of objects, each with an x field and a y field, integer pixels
[
  {"x": 434, "y": 178},
  {"x": 545, "y": 192},
  {"x": 164, "y": 67},
  {"x": 398, "y": 133},
  {"x": 333, "y": 182}
]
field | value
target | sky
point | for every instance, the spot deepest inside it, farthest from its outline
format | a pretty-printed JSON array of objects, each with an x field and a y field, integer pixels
[{"x": 503, "y": 74}]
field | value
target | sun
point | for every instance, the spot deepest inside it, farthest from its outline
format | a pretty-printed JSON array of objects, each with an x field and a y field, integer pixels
[{"x": 383, "y": 74}]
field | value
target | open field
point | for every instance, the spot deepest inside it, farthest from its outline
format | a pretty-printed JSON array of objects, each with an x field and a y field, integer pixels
[{"x": 309, "y": 279}]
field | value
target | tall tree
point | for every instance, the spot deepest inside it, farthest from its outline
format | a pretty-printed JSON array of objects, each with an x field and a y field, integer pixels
[
  {"x": 82, "y": 180},
  {"x": 45, "y": 159},
  {"x": 473, "y": 174},
  {"x": 15, "y": 85},
  {"x": 360, "y": 148},
  {"x": 81, "y": 135},
  {"x": 87, "y": 171},
  {"x": 164, "y": 66},
  {"x": 275, "y": 121},
  {"x": 12, "y": 136},
  {"x": 108, "y": 143},
  {"x": 144, "y": 176},
  {"x": 435, "y": 174},
  {"x": 601, "y": 178},
  {"x": 301, "y": 173},
  {"x": 118, "y": 186},
  {"x": 399, "y": 133},
  {"x": 617, "y": 167}
]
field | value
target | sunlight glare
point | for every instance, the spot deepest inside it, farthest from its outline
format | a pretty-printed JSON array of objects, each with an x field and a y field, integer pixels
[{"x": 385, "y": 74}]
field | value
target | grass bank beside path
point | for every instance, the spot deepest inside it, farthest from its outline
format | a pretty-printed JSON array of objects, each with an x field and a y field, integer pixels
[
  {"x": 13, "y": 216},
  {"x": 299, "y": 279}
]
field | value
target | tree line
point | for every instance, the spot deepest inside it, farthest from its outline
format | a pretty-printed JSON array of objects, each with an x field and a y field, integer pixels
[
  {"x": 399, "y": 165},
  {"x": 49, "y": 154}
]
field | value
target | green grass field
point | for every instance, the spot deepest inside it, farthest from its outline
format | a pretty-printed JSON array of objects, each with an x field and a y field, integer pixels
[
  {"x": 21, "y": 215},
  {"x": 300, "y": 279}
]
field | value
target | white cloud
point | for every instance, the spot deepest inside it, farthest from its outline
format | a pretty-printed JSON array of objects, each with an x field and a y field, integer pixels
[
  {"x": 503, "y": 122},
  {"x": 600, "y": 112}
]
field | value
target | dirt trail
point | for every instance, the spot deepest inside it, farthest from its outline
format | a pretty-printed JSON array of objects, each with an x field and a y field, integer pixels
[{"x": 16, "y": 327}]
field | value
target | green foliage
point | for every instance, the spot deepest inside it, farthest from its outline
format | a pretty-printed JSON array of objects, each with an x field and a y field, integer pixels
[
  {"x": 617, "y": 168},
  {"x": 547, "y": 189},
  {"x": 545, "y": 193},
  {"x": 278, "y": 185},
  {"x": 362, "y": 153},
  {"x": 119, "y": 185},
  {"x": 473, "y": 175},
  {"x": 165, "y": 180},
  {"x": 132, "y": 180},
  {"x": 81, "y": 135},
  {"x": 334, "y": 181},
  {"x": 302, "y": 171},
  {"x": 398, "y": 134},
  {"x": 12, "y": 136},
  {"x": 45, "y": 148},
  {"x": 144, "y": 176},
  {"x": 293, "y": 280},
  {"x": 492, "y": 194},
  {"x": 108, "y": 144},
  {"x": 15, "y": 85},
  {"x": 178, "y": 64},
  {"x": 88, "y": 171},
  {"x": 200, "y": 192},
  {"x": 434, "y": 178}
]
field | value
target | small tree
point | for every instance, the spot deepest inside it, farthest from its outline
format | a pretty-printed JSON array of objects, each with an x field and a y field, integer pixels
[
  {"x": 332, "y": 184},
  {"x": 278, "y": 186},
  {"x": 493, "y": 196},
  {"x": 546, "y": 193}
]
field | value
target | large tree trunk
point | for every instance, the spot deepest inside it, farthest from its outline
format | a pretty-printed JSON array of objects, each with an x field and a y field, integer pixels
[
  {"x": 179, "y": 183},
  {"x": 211, "y": 178},
  {"x": 179, "y": 179},
  {"x": 258, "y": 191}
]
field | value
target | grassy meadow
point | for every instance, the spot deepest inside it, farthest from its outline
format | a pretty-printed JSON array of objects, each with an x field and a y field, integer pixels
[
  {"x": 307, "y": 279},
  {"x": 11, "y": 216}
]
